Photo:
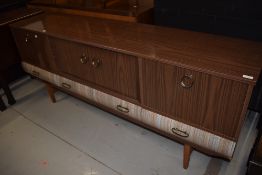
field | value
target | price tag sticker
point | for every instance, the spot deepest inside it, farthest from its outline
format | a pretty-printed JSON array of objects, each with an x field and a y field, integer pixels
[{"x": 248, "y": 77}]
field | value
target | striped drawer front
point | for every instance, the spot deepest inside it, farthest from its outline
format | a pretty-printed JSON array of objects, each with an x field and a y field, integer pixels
[{"x": 202, "y": 138}]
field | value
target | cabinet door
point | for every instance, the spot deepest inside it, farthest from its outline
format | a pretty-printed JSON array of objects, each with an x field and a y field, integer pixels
[
  {"x": 42, "y": 51},
  {"x": 115, "y": 71},
  {"x": 33, "y": 48},
  {"x": 100, "y": 68},
  {"x": 212, "y": 103},
  {"x": 72, "y": 59},
  {"x": 25, "y": 46}
]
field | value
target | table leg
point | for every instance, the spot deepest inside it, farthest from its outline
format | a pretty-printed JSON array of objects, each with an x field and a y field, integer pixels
[
  {"x": 2, "y": 104},
  {"x": 8, "y": 93}
]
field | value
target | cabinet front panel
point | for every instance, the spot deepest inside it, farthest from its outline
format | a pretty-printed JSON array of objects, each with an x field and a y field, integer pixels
[
  {"x": 109, "y": 70},
  {"x": 204, "y": 139},
  {"x": 25, "y": 46},
  {"x": 42, "y": 51},
  {"x": 72, "y": 58},
  {"x": 198, "y": 99},
  {"x": 116, "y": 72},
  {"x": 34, "y": 48}
]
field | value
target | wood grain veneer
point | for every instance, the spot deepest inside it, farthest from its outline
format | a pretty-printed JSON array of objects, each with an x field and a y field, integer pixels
[
  {"x": 192, "y": 87},
  {"x": 116, "y": 72},
  {"x": 34, "y": 48},
  {"x": 220, "y": 146},
  {"x": 217, "y": 55},
  {"x": 207, "y": 104}
]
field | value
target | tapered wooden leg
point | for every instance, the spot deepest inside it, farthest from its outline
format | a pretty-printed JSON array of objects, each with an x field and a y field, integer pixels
[
  {"x": 51, "y": 92},
  {"x": 187, "y": 152}
]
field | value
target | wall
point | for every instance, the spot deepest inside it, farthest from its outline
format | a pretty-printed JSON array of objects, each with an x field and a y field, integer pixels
[
  {"x": 146, "y": 2},
  {"x": 240, "y": 18}
]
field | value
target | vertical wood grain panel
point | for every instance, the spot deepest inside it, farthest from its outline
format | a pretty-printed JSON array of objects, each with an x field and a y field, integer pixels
[
  {"x": 67, "y": 58},
  {"x": 127, "y": 75},
  {"x": 116, "y": 72},
  {"x": 212, "y": 103},
  {"x": 34, "y": 48}
]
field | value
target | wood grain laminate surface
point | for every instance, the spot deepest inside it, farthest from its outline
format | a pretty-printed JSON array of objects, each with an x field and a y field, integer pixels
[
  {"x": 212, "y": 103},
  {"x": 113, "y": 71},
  {"x": 217, "y": 55},
  {"x": 34, "y": 48}
]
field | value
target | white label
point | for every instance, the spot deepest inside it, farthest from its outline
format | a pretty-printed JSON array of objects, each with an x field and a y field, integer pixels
[{"x": 248, "y": 77}]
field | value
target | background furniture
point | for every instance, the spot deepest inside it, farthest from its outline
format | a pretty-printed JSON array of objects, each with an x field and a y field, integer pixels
[
  {"x": 8, "y": 94},
  {"x": 123, "y": 10},
  {"x": 255, "y": 160},
  {"x": 10, "y": 63},
  {"x": 189, "y": 86}
]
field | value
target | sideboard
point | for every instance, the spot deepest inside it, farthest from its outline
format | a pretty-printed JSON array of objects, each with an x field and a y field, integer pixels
[{"x": 189, "y": 86}]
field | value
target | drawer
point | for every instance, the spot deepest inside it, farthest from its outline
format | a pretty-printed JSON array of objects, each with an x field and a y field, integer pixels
[
  {"x": 50, "y": 77},
  {"x": 202, "y": 100},
  {"x": 35, "y": 71},
  {"x": 188, "y": 133},
  {"x": 117, "y": 104},
  {"x": 97, "y": 67},
  {"x": 33, "y": 48}
]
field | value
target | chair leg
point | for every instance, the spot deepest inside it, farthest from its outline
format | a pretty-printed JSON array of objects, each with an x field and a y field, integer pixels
[
  {"x": 8, "y": 93},
  {"x": 187, "y": 153},
  {"x": 51, "y": 92},
  {"x": 2, "y": 104}
]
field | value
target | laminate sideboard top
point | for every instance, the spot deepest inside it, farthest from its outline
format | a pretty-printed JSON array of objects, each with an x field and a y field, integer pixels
[{"x": 231, "y": 58}]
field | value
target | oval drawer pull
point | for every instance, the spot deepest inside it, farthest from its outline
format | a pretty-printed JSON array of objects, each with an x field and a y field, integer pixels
[
  {"x": 187, "y": 81},
  {"x": 65, "y": 85},
  {"x": 96, "y": 62},
  {"x": 83, "y": 59},
  {"x": 122, "y": 109},
  {"x": 179, "y": 132},
  {"x": 35, "y": 73}
]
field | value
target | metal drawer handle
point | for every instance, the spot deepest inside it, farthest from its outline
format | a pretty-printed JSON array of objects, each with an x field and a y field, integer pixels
[
  {"x": 65, "y": 85},
  {"x": 122, "y": 109},
  {"x": 96, "y": 62},
  {"x": 83, "y": 59},
  {"x": 187, "y": 81},
  {"x": 35, "y": 73},
  {"x": 179, "y": 132}
]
